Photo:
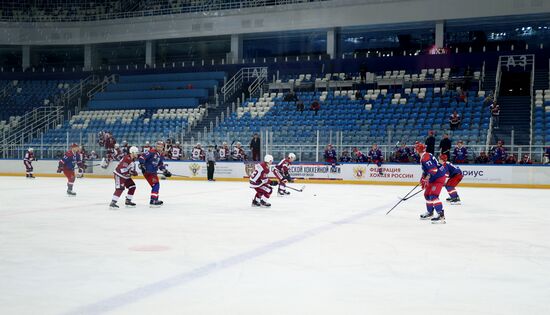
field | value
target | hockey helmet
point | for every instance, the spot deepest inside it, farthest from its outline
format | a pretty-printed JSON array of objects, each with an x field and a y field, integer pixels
[
  {"x": 268, "y": 158},
  {"x": 443, "y": 157},
  {"x": 292, "y": 156},
  {"x": 420, "y": 147},
  {"x": 134, "y": 150}
]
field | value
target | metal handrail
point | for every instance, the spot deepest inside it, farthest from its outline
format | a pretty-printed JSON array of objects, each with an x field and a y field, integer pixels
[{"x": 100, "y": 87}]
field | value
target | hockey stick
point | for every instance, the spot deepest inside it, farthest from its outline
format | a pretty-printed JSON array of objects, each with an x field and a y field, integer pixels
[
  {"x": 409, "y": 197},
  {"x": 404, "y": 198},
  {"x": 296, "y": 189}
]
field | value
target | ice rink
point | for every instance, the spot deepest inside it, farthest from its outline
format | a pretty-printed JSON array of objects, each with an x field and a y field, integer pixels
[{"x": 208, "y": 252}]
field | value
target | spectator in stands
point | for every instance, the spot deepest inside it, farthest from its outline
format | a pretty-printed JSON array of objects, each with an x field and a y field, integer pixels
[
  {"x": 330, "y": 154},
  {"x": 454, "y": 121},
  {"x": 460, "y": 153},
  {"x": 358, "y": 95},
  {"x": 445, "y": 145},
  {"x": 495, "y": 114},
  {"x": 483, "y": 158},
  {"x": 255, "y": 147},
  {"x": 299, "y": 106},
  {"x": 525, "y": 160},
  {"x": 547, "y": 155},
  {"x": 430, "y": 142},
  {"x": 488, "y": 101},
  {"x": 363, "y": 72},
  {"x": 290, "y": 97},
  {"x": 461, "y": 96},
  {"x": 211, "y": 157},
  {"x": 315, "y": 106},
  {"x": 511, "y": 159},
  {"x": 345, "y": 158}
]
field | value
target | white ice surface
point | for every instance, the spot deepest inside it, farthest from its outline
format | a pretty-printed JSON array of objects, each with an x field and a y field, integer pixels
[{"x": 334, "y": 253}]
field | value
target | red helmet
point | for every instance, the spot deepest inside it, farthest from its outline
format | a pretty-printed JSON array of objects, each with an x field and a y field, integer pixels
[
  {"x": 420, "y": 147},
  {"x": 74, "y": 145},
  {"x": 443, "y": 157}
]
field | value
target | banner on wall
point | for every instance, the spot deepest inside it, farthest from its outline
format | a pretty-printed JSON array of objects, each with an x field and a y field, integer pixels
[{"x": 475, "y": 174}]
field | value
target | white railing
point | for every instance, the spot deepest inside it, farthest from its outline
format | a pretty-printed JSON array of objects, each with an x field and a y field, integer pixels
[
  {"x": 101, "y": 85},
  {"x": 234, "y": 84},
  {"x": 532, "y": 122}
]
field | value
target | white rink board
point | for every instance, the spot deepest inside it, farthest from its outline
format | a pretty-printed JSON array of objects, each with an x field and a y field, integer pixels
[{"x": 405, "y": 173}]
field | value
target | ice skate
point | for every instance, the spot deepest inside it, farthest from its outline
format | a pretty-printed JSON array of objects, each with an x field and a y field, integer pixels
[
  {"x": 427, "y": 215},
  {"x": 439, "y": 219},
  {"x": 255, "y": 203},
  {"x": 265, "y": 204},
  {"x": 129, "y": 204},
  {"x": 113, "y": 206},
  {"x": 455, "y": 201},
  {"x": 449, "y": 199},
  {"x": 71, "y": 193},
  {"x": 155, "y": 204},
  {"x": 282, "y": 193}
]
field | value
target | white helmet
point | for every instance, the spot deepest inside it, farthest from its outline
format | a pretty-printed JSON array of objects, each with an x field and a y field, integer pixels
[
  {"x": 31, "y": 149},
  {"x": 198, "y": 144},
  {"x": 292, "y": 156},
  {"x": 177, "y": 143},
  {"x": 134, "y": 150},
  {"x": 268, "y": 158},
  {"x": 147, "y": 143},
  {"x": 117, "y": 145}
]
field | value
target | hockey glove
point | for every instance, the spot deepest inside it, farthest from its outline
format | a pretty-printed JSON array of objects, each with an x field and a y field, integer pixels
[
  {"x": 142, "y": 168},
  {"x": 133, "y": 173},
  {"x": 424, "y": 182},
  {"x": 273, "y": 183},
  {"x": 60, "y": 169},
  {"x": 288, "y": 178},
  {"x": 167, "y": 173}
]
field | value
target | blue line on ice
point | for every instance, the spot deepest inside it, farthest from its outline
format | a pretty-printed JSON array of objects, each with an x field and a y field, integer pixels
[{"x": 135, "y": 295}]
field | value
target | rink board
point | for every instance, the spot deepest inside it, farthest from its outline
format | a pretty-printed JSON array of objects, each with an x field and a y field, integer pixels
[{"x": 392, "y": 174}]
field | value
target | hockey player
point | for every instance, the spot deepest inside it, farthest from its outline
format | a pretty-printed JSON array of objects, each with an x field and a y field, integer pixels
[
  {"x": 281, "y": 172},
  {"x": 67, "y": 164},
  {"x": 123, "y": 173},
  {"x": 176, "y": 152},
  {"x": 110, "y": 147},
  {"x": 345, "y": 158},
  {"x": 261, "y": 183},
  {"x": 224, "y": 152},
  {"x": 146, "y": 147},
  {"x": 238, "y": 153},
  {"x": 403, "y": 154},
  {"x": 499, "y": 153},
  {"x": 359, "y": 157},
  {"x": 547, "y": 155},
  {"x": 460, "y": 153},
  {"x": 330, "y": 154},
  {"x": 376, "y": 157},
  {"x": 432, "y": 180},
  {"x": 150, "y": 163},
  {"x": 118, "y": 153},
  {"x": 455, "y": 176},
  {"x": 27, "y": 160},
  {"x": 198, "y": 153},
  {"x": 125, "y": 148}
]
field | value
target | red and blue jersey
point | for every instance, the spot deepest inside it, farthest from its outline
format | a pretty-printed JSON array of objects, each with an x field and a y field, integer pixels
[
  {"x": 330, "y": 156},
  {"x": 375, "y": 155},
  {"x": 70, "y": 160},
  {"x": 460, "y": 154},
  {"x": 432, "y": 167},
  {"x": 360, "y": 157},
  {"x": 452, "y": 170},
  {"x": 404, "y": 154},
  {"x": 152, "y": 160},
  {"x": 499, "y": 155}
]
